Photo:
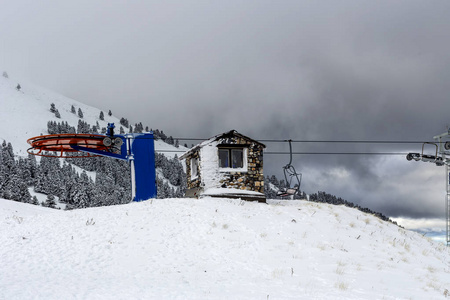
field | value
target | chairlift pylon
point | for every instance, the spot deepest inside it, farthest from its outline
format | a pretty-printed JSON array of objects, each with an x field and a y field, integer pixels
[
  {"x": 289, "y": 174},
  {"x": 440, "y": 157}
]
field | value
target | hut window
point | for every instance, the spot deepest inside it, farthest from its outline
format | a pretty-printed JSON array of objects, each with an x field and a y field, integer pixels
[
  {"x": 194, "y": 168},
  {"x": 232, "y": 158},
  {"x": 237, "y": 158}
]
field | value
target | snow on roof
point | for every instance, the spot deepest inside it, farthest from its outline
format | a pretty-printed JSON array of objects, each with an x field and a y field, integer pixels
[{"x": 217, "y": 137}]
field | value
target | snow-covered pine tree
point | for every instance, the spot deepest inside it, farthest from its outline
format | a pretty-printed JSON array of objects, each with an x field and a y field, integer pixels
[
  {"x": 7, "y": 170},
  {"x": 50, "y": 201},
  {"x": 170, "y": 140},
  {"x": 83, "y": 127},
  {"x": 162, "y": 136},
  {"x": 34, "y": 200},
  {"x": 124, "y": 122}
]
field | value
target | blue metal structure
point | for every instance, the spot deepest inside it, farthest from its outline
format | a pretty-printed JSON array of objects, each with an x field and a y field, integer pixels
[{"x": 139, "y": 150}]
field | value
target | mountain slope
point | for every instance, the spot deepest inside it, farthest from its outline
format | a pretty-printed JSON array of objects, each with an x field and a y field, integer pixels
[
  {"x": 214, "y": 249},
  {"x": 24, "y": 114}
]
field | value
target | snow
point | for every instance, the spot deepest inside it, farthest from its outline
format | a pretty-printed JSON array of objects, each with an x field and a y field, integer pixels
[
  {"x": 169, "y": 150},
  {"x": 209, "y": 163},
  {"x": 214, "y": 249},
  {"x": 223, "y": 191},
  {"x": 43, "y": 197},
  {"x": 31, "y": 105},
  {"x": 208, "y": 248}
]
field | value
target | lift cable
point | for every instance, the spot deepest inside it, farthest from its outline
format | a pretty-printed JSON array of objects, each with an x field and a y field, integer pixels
[
  {"x": 339, "y": 153},
  {"x": 303, "y": 141},
  {"x": 306, "y": 153}
]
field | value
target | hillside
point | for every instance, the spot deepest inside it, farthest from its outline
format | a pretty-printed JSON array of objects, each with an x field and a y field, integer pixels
[
  {"x": 26, "y": 112},
  {"x": 214, "y": 249}
]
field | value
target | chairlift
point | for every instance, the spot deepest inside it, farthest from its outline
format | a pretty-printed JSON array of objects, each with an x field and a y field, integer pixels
[
  {"x": 290, "y": 176},
  {"x": 433, "y": 158}
]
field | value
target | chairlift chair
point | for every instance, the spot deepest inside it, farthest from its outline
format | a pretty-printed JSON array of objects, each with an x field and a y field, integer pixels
[
  {"x": 289, "y": 175},
  {"x": 435, "y": 158}
]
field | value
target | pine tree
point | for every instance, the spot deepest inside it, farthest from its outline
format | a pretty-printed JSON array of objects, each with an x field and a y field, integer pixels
[
  {"x": 52, "y": 108},
  {"x": 102, "y": 116},
  {"x": 57, "y": 114},
  {"x": 109, "y": 113},
  {"x": 124, "y": 122},
  {"x": 32, "y": 166},
  {"x": 80, "y": 113},
  {"x": 24, "y": 193},
  {"x": 18, "y": 87},
  {"x": 34, "y": 200},
  {"x": 73, "y": 109},
  {"x": 5, "y": 74},
  {"x": 50, "y": 201}
]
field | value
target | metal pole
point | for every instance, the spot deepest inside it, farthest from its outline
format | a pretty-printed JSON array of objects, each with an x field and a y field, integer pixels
[
  {"x": 448, "y": 204},
  {"x": 130, "y": 157}
]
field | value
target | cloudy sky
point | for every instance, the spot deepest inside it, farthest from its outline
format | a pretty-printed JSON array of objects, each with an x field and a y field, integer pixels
[{"x": 301, "y": 70}]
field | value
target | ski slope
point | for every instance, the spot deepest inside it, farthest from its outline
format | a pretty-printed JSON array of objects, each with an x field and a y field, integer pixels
[
  {"x": 24, "y": 114},
  {"x": 214, "y": 249}
]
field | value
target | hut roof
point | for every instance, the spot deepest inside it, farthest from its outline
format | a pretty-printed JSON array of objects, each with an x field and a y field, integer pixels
[{"x": 231, "y": 133}]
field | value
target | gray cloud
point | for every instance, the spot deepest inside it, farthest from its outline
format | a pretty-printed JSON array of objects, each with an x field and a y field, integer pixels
[{"x": 327, "y": 70}]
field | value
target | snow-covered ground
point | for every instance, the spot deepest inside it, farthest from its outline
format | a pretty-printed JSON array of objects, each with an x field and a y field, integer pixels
[{"x": 214, "y": 249}]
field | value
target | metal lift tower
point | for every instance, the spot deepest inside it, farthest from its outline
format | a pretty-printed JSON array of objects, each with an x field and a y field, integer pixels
[
  {"x": 440, "y": 157},
  {"x": 136, "y": 148}
]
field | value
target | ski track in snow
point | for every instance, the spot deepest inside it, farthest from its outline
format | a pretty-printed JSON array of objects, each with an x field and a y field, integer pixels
[{"x": 214, "y": 249}]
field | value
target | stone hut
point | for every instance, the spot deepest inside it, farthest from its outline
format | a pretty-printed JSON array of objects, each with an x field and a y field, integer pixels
[{"x": 228, "y": 165}]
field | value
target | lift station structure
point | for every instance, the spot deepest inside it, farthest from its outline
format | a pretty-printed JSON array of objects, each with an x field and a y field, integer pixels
[
  {"x": 136, "y": 148},
  {"x": 441, "y": 157}
]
